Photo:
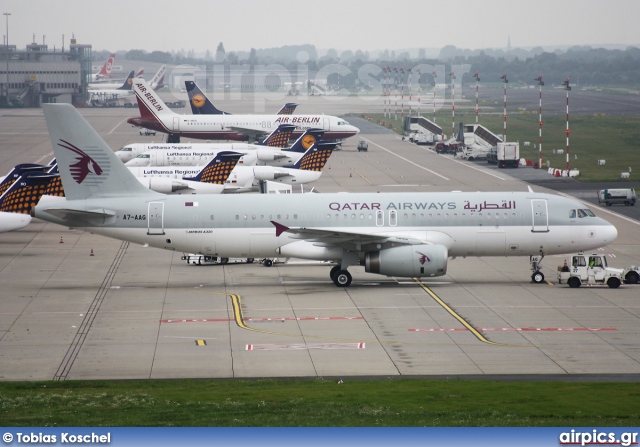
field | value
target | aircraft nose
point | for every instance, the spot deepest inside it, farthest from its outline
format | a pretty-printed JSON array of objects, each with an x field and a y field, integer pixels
[{"x": 605, "y": 234}]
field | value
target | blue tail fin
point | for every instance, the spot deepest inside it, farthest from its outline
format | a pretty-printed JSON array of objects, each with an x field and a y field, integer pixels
[
  {"x": 200, "y": 104},
  {"x": 25, "y": 192},
  {"x": 316, "y": 157},
  {"x": 218, "y": 169},
  {"x": 306, "y": 140},
  {"x": 128, "y": 83},
  {"x": 287, "y": 109},
  {"x": 280, "y": 136},
  {"x": 16, "y": 172}
]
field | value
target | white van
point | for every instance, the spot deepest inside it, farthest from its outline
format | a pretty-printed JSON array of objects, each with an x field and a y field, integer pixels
[{"x": 617, "y": 196}]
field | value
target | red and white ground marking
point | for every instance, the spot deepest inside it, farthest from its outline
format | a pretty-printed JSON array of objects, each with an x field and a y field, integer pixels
[
  {"x": 521, "y": 329},
  {"x": 258, "y": 320},
  {"x": 304, "y": 346}
]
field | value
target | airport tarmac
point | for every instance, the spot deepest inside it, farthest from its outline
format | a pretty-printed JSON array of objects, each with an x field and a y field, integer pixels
[{"x": 76, "y": 306}]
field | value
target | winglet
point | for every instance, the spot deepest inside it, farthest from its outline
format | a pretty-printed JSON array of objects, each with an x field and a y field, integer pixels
[
  {"x": 279, "y": 228},
  {"x": 530, "y": 190}
]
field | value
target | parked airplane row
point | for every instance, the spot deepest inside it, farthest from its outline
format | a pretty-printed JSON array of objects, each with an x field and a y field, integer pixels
[
  {"x": 155, "y": 115},
  {"x": 185, "y": 169},
  {"x": 393, "y": 234}
]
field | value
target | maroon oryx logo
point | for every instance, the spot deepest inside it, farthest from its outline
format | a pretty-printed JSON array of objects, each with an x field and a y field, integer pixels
[
  {"x": 84, "y": 166},
  {"x": 423, "y": 258}
]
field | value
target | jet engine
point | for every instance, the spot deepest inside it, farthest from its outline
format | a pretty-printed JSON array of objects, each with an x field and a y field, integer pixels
[
  {"x": 268, "y": 154},
  {"x": 162, "y": 185},
  {"x": 408, "y": 261}
]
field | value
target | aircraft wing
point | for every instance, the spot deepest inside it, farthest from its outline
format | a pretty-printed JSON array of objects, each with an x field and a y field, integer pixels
[
  {"x": 253, "y": 134},
  {"x": 74, "y": 215},
  {"x": 345, "y": 239}
]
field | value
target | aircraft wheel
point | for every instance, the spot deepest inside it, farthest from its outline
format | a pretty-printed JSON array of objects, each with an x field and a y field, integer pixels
[
  {"x": 632, "y": 278},
  {"x": 250, "y": 260},
  {"x": 613, "y": 283},
  {"x": 267, "y": 262},
  {"x": 342, "y": 278},
  {"x": 537, "y": 277},
  {"x": 574, "y": 282},
  {"x": 333, "y": 272},
  {"x": 224, "y": 260}
]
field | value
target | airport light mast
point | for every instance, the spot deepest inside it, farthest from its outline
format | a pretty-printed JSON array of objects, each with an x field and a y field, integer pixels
[
  {"x": 567, "y": 88},
  {"x": 435, "y": 75},
  {"x": 504, "y": 131},
  {"x": 402, "y": 91},
  {"x": 477, "y": 78},
  {"x": 385, "y": 88},
  {"x": 540, "y": 84},
  {"x": 419, "y": 90},
  {"x": 410, "y": 97},
  {"x": 453, "y": 104},
  {"x": 395, "y": 81},
  {"x": 6, "y": 92}
]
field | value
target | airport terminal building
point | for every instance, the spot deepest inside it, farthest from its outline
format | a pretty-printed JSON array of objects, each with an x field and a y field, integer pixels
[{"x": 36, "y": 75}]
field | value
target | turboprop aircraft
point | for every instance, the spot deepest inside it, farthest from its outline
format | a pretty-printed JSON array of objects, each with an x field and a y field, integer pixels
[
  {"x": 392, "y": 234},
  {"x": 157, "y": 116}
]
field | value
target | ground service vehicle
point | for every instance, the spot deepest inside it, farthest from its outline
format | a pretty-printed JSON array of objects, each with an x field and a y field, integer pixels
[
  {"x": 363, "y": 146},
  {"x": 507, "y": 155},
  {"x": 617, "y": 197},
  {"x": 589, "y": 269}
]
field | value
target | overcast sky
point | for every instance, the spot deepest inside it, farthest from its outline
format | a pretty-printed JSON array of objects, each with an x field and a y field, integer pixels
[{"x": 168, "y": 25}]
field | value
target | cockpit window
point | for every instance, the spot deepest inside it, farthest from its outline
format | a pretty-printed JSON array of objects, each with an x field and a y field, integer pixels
[
  {"x": 126, "y": 149},
  {"x": 583, "y": 213},
  {"x": 572, "y": 214},
  {"x": 144, "y": 156}
]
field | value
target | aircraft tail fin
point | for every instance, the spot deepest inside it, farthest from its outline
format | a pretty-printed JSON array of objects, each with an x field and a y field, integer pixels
[
  {"x": 316, "y": 157},
  {"x": 200, "y": 104},
  {"x": 218, "y": 169},
  {"x": 25, "y": 192},
  {"x": 280, "y": 136},
  {"x": 306, "y": 140},
  {"x": 140, "y": 73},
  {"x": 105, "y": 71},
  {"x": 157, "y": 82},
  {"x": 150, "y": 104},
  {"x": 16, "y": 172},
  {"x": 287, "y": 109},
  {"x": 128, "y": 83},
  {"x": 88, "y": 166}
]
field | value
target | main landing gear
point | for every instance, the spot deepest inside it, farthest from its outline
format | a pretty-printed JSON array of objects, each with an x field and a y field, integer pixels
[
  {"x": 341, "y": 278},
  {"x": 538, "y": 276}
]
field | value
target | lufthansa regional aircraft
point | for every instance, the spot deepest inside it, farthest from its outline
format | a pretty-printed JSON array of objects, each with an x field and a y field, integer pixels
[
  {"x": 157, "y": 116},
  {"x": 392, "y": 234}
]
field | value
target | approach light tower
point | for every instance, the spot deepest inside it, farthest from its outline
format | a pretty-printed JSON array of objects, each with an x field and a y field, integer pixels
[
  {"x": 453, "y": 104},
  {"x": 477, "y": 78},
  {"x": 395, "y": 81},
  {"x": 567, "y": 88},
  {"x": 540, "y": 84},
  {"x": 435, "y": 75},
  {"x": 504, "y": 131},
  {"x": 385, "y": 88}
]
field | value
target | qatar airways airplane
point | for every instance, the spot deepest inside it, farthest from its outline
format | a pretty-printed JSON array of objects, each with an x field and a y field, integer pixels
[{"x": 392, "y": 234}]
